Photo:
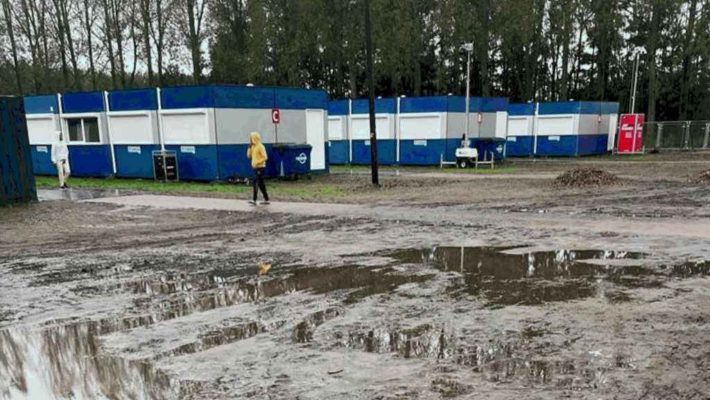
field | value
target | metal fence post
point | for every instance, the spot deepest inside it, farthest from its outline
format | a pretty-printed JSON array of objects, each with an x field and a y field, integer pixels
[
  {"x": 686, "y": 135},
  {"x": 707, "y": 136},
  {"x": 659, "y": 134}
]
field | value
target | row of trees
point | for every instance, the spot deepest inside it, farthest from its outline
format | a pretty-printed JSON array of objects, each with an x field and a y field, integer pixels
[{"x": 523, "y": 49}]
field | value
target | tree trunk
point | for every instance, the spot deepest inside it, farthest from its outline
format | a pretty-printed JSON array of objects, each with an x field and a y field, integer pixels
[
  {"x": 7, "y": 10},
  {"x": 688, "y": 52},
  {"x": 652, "y": 48},
  {"x": 89, "y": 40},
  {"x": 59, "y": 29},
  {"x": 146, "y": 21},
  {"x": 567, "y": 34},
  {"x": 109, "y": 42},
  {"x": 70, "y": 45}
]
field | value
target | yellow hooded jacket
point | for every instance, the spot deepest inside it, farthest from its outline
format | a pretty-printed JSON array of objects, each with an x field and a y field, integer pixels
[{"x": 257, "y": 151}]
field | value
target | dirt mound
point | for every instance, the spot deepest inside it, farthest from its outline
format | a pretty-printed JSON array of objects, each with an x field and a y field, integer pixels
[
  {"x": 703, "y": 177},
  {"x": 581, "y": 177}
]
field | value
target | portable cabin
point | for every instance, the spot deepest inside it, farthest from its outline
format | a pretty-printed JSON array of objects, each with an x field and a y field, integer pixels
[
  {"x": 415, "y": 130},
  {"x": 519, "y": 142},
  {"x": 42, "y": 113},
  {"x": 207, "y": 127},
  {"x": 81, "y": 117},
  {"x": 133, "y": 122},
  {"x": 338, "y": 137},
  {"x": 17, "y": 183},
  {"x": 574, "y": 128},
  {"x": 385, "y": 114}
]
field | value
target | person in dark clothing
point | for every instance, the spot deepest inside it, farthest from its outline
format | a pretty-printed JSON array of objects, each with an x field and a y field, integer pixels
[{"x": 258, "y": 157}]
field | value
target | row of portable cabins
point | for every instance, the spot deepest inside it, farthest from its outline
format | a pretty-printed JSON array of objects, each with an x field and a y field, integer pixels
[
  {"x": 427, "y": 130},
  {"x": 116, "y": 133},
  {"x": 415, "y": 130},
  {"x": 572, "y": 128}
]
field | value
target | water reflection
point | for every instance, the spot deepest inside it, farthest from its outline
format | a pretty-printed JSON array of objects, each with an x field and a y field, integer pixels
[{"x": 511, "y": 275}]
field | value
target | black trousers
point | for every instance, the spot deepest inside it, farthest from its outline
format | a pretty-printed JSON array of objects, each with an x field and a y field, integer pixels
[{"x": 259, "y": 184}]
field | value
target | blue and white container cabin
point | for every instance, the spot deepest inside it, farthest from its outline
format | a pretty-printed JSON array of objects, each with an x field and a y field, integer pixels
[
  {"x": 574, "y": 128},
  {"x": 82, "y": 119},
  {"x": 415, "y": 130},
  {"x": 520, "y": 140},
  {"x": 359, "y": 127},
  {"x": 133, "y": 122},
  {"x": 430, "y": 129},
  {"x": 208, "y": 127},
  {"x": 338, "y": 137}
]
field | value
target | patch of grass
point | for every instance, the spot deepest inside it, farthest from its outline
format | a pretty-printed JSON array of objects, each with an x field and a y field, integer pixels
[
  {"x": 314, "y": 188},
  {"x": 482, "y": 170}
]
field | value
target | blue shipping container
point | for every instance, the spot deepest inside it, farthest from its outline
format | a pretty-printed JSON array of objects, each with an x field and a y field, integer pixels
[{"x": 17, "y": 182}]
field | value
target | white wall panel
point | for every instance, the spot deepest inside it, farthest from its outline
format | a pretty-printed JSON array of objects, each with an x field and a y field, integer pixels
[
  {"x": 132, "y": 128},
  {"x": 186, "y": 127},
  {"x": 520, "y": 125},
  {"x": 556, "y": 125},
  {"x": 316, "y": 137},
  {"x": 422, "y": 126},
  {"x": 384, "y": 123},
  {"x": 336, "y": 128},
  {"x": 41, "y": 128}
]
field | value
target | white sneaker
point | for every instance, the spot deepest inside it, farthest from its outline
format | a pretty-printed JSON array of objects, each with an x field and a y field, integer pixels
[{"x": 252, "y": 202}]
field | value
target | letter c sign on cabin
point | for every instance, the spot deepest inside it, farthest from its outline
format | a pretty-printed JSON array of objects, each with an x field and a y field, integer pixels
[{"x": 275, "y": 116}]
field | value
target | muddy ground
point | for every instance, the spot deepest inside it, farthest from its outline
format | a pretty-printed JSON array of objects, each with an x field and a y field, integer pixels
[{"x": 438, "y": 285}]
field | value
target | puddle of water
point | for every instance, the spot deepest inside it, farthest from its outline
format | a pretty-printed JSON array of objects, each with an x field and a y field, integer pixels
[
  {"x": 77, "y": 194},
  {"x": 65, "y": 360},
  {"x": 511, "y": 275}
]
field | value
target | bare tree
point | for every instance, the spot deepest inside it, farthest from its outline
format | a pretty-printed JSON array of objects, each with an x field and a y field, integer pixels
[
  {"x": 146, "y": 21},
  {"x": 89, "y": 20},
  {"x": 7, "y": 11},
  {"x": 192, "y": 29}
]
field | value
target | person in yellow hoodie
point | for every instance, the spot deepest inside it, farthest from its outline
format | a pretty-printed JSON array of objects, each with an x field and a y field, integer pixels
[{"x": 257, "y": 154}]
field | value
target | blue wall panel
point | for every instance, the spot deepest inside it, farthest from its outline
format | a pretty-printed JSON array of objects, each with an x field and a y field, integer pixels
[
  {"x": 564, "y": 146},
  {"x": 300, "y": 99},
  {"x": 201, "y": 165},
  {"x": 338, "y": 107},
  {"x": 131, "y": 163},
  {"x": 339, "y": 151},
  {"x": 233, "y": 161},
  {"x": 519, "y": 109},
  {"x": 82, "y": 102},
  {"x": 42, "y": 160},
  {"x": 133, "y": 100},
  {"x": 90, "y": 160},
  {"x": 386, "y": 149},
  {"x": 421, "y": 152},
  {"x": 382, "y": 106},
  {"x": 243, "y": 97},
  {"x": 186, "y": 97},
  {"x": 41, "y": 104},
  {"x": 424, "y": 104},
  {"x": 522, "y": 146},
  {"x": 592, "y": 144}
]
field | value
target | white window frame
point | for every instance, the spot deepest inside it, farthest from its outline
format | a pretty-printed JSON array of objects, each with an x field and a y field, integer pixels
[{"x": 65, "y": 125}]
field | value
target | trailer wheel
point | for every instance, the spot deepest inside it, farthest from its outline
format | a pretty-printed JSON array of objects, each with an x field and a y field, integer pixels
[{"x": 463, "y": 163}]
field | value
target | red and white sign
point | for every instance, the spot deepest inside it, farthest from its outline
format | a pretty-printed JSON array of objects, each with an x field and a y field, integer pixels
[
  {"x": 275, "y": 116},
  {"x": 630, "y": 133}
]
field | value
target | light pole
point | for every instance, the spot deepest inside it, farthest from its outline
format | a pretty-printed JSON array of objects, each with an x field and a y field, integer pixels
[
  {"x": 633, "y": 90},
  {"x": 468, "y": 48}
]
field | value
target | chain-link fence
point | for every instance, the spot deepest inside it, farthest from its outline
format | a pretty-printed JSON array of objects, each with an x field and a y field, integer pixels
[{"x": 688, "y": 135}]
